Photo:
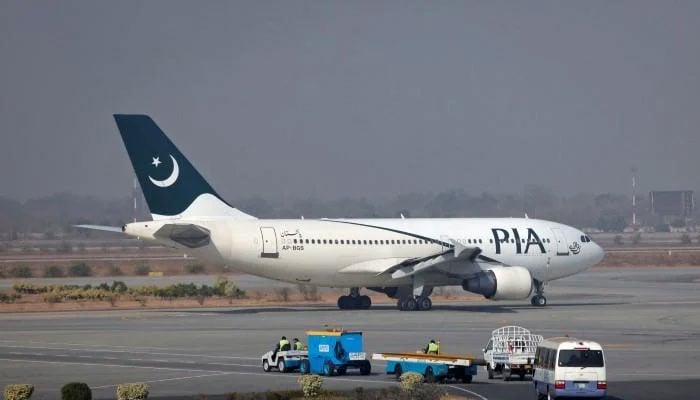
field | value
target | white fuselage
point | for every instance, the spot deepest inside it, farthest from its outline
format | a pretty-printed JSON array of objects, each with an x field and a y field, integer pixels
[{"x": 345, "y": 253}]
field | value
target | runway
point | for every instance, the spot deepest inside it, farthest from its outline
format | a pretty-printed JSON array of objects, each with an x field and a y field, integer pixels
[{"x": 648, "y": 320}]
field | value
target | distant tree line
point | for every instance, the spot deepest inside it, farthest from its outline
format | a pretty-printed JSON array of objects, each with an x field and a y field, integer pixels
[{"x": 53, "y": 216}]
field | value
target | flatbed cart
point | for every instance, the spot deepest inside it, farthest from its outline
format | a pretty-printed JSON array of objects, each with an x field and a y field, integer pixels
[{"x": 433, "y": 367}]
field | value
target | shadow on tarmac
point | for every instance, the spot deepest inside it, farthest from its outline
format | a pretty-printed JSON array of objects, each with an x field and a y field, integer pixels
[{"x": 488, "y": 308}]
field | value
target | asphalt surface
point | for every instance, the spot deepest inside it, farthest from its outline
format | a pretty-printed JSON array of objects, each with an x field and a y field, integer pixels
[{"x": 647, "y": 319}]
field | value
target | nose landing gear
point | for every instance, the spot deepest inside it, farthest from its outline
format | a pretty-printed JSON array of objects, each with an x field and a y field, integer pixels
[{"x": 538, "y": 300}]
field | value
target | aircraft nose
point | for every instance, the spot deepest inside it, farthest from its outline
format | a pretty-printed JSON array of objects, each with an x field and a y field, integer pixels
[{"x": 597, "y": 253}]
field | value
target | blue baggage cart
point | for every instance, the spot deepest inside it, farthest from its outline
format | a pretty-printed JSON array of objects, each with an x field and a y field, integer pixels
[{"x": 333, "y": 352}]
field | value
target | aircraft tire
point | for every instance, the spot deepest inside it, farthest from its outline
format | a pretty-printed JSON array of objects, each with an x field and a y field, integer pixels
[
  {"x": 424, "y": 303},
  {"x": 539, "y": 301},
  {"x": 364, "y": 302},
  {"x": 410, "y": 304},
  {"x": 345, "y": 302}
]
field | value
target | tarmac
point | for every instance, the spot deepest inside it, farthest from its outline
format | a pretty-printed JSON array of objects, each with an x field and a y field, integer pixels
[{"x": 647, "y": 319}]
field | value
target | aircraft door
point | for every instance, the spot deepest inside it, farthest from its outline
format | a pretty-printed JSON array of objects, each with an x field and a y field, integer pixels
[
  {"x": 560, "y": 239},
  {"x": 269, "y": 242}
]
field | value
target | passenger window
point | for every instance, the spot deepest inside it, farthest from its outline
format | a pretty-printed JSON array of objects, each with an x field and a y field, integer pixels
[
  {"x": 353, "y": 242},
  {"x": 364, "y": 242},
  {"x": 295, "y": 241},
  {"x": 392, "y": 241},
  {"x": 479, "y": 241}
]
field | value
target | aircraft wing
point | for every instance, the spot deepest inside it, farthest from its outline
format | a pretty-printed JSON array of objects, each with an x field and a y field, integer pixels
[{"x": 404, "y": 267}]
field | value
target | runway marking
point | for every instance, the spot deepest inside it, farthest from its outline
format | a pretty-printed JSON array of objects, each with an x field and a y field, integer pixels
[
  {"x": 166, "y": 380},
  {"x": 110, "y": 365},
  {"x": 211, "y": 372},
  {"x": 468, "y": 391},
  {"x": 124, "y": 351}
]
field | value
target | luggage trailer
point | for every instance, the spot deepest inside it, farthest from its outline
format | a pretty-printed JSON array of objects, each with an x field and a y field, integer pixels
[{"x": 433, "y": 367}]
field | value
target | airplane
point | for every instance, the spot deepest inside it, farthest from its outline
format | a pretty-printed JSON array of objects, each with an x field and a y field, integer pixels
[{"x": 404, "y": 258}]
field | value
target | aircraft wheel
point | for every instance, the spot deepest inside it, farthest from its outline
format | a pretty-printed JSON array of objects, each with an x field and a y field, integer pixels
[
  {"x": 539, "y": 301},
  {"x": 424, "y": 303},
  {"x": 345, "y": 302},
  {"x": 410, "y": 304},
  {"x": 364, "y": 302}
]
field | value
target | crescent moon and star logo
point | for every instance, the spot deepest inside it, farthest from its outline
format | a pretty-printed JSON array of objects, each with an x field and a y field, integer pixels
[{"x": 170, "y": 180}]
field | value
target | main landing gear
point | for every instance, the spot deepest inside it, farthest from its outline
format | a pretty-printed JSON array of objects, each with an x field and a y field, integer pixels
[
  {"x": 538, "y": 300},
  {"x": 354, "y": 301},
  {"x": 414, "y": 303}
]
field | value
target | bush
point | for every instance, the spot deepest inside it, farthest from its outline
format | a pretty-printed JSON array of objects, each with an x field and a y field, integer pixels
[
  {"x": 309, "y": 292},
  {"x": 9, "y": 298},
  {"x": 76, "y": 391},
  {"x": 65, "y": 247},
  {"x": 115, "y": 271},
  {"x": 226, "y": 288},
  {"x": 53, "y": 271},
  {"x": 119, "y": 287},
  {"x": 22, "y": 271},
  {"x": 142, "y": 270},
  {"x": 282, "y": 294},
  {"x": 685, "y": 239},
  {"x": 410, "y": 382},
  {"x": 18, "y": 392},
  {"x": 52, "y": 297},
  {"x": 80, "y": 269},
  {"x": 311, "y": 385},
  {"x": 195, "y": 269},
  {"x": 132, "y": 391}
]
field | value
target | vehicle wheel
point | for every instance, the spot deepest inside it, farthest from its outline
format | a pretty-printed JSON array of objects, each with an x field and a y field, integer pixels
[
  {"x": 489, "y": 371},
  {"x": 304, "y": 367},
  {"x": 342, "y": 370},
  {"x": 328, "y": 369},
  {"x": 398, "y": 371},
  {"x": 266, "y": 366},
  {"x": 399, "y": 304},
  {"x": 467, "y": 378},
  {"x": 522, "y": 375},
  {"x": 425, "y": 304},
  {"x": 281, "y": 366},
  {"x": 411, "y": 304},
  {"x": 365, "y": 368},
  {"x": 540, "y": 301},
  {"x": 429, "y": 375},
  {"x": 364, "y": 302}
]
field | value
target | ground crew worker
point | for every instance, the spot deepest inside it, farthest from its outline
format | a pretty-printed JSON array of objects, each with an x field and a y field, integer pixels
[
  {"x": 282, "y": 345},
  {"x": 298, "y": 345},
  {"x": 432, "y": 348}
]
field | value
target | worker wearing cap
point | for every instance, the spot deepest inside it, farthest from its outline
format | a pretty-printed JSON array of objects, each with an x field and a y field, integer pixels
[
  {"x": 432, "y": 348},
  {"x": 298, "y": 345}
]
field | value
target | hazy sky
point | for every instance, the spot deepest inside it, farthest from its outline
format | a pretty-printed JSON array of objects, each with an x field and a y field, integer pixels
[{"x": 354, "y": 98}]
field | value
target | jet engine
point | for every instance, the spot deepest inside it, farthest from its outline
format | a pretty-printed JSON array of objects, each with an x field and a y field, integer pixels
[{"x": 501, "y": 283}]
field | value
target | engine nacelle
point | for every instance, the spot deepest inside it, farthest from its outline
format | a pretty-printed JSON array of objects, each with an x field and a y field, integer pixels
[{"x": 502, "y": 283}]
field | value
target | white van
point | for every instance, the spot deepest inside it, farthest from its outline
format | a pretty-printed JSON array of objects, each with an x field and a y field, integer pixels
[{"x": 568, "y": 367}]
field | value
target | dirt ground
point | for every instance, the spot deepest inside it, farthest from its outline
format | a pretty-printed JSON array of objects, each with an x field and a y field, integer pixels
[{"x": 261, "y": 298}]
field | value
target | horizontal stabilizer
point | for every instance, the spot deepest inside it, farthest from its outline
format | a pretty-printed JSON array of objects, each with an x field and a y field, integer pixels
[{"x": 101, "y": 228}]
